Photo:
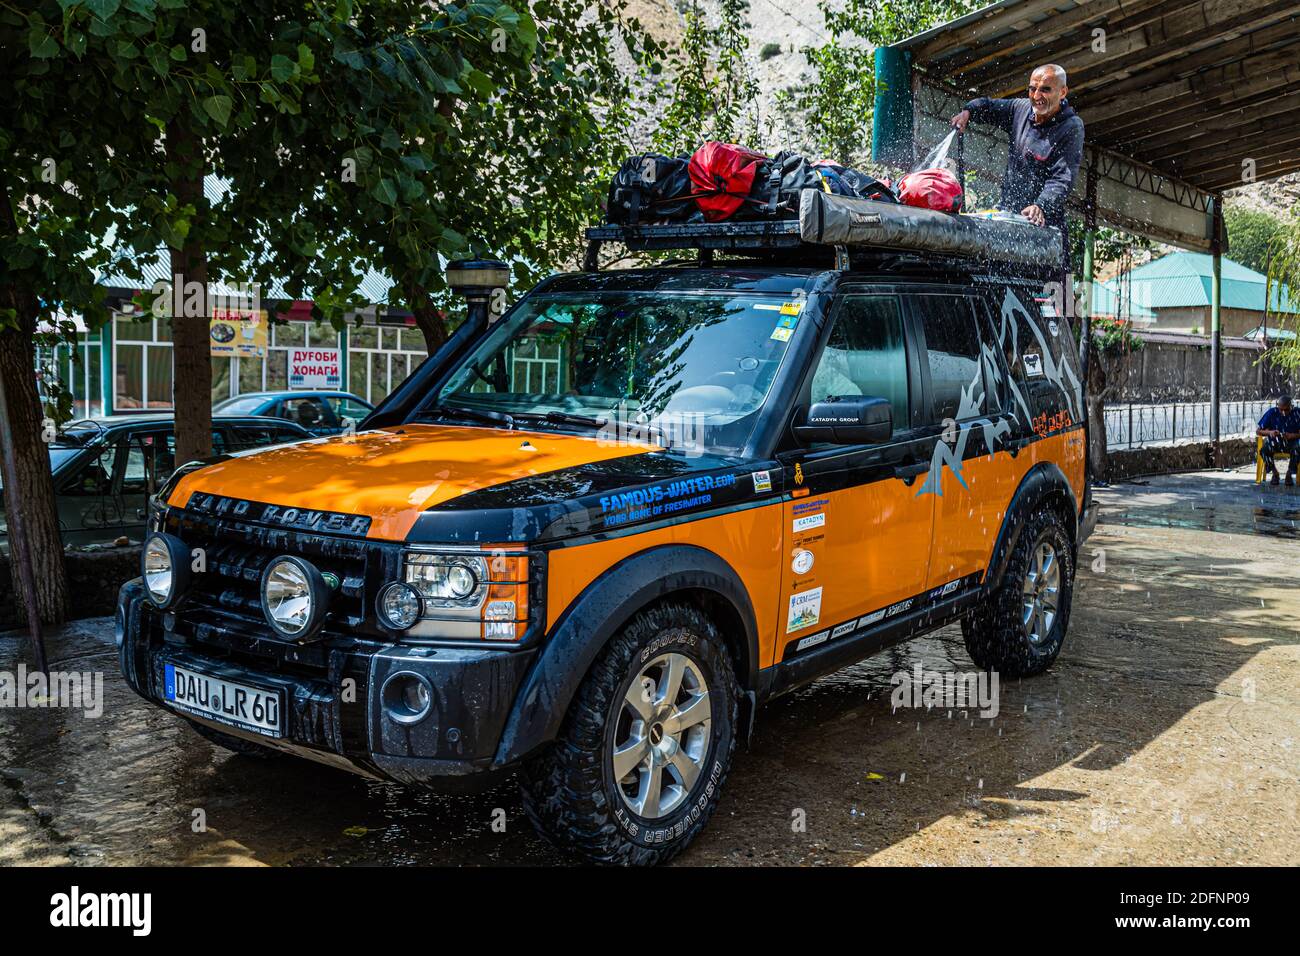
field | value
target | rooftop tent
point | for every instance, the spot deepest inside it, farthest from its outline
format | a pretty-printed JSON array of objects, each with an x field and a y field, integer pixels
[{"x": 1181, "y": 100}]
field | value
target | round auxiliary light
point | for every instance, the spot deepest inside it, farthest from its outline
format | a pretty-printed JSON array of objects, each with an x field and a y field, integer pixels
[
  {"x": 294, "y": 596},
  {"x": 399, "y": 606},
  {"x": 164, "y": 565}
]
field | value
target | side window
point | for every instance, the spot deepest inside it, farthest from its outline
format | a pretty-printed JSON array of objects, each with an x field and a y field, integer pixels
[
  {"x": 92, "y": 479},
  {"x": 347, "y": 408},
  {"x": 866, "y": 354},
  {"x": 952, "y": 352},
  {"x": 135, "y": 477}
]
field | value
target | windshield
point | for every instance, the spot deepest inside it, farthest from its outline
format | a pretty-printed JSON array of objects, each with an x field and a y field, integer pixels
[{"x": 686, "y": 370}]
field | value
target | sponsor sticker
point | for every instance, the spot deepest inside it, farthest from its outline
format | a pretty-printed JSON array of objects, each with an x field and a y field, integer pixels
[
  {"x": 872, "y": 618},
  {"x": 1033, "y": 363},
  {"x": 762, "y": 481},
  {"x": 1053, "y": 327},
  {"x": 805, "y": 610},
  {"x": 808, "y": 522},
  {"x": 803, "y": 562},
  {"x": 898, "y": 608},
  {"x": 807, "y": 642},
  {"x": 843, "y": 629}
]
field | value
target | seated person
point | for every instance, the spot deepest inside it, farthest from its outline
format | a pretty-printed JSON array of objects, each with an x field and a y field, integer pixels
[{"x": 1280, "y": 429}]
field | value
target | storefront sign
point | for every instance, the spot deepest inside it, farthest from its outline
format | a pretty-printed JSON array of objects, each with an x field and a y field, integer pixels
[
  {"x": 239, "y": 332},
  {"x": 315, "y": 368}
]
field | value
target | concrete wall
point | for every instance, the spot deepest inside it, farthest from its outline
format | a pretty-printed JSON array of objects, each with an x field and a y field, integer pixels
[
  {"x": 1167, "y": 459},
  {"x": 1186, "y": 318},
  {"x": 1167, "y": 371}
]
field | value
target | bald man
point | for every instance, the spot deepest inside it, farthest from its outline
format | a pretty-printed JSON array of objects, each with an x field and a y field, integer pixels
[{"x": 1046, "y": 146}]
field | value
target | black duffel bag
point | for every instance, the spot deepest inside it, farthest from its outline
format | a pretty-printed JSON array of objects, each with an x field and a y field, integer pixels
[
  {"x": 651, "y": 188},
  {"x": 780, "y": 180}
]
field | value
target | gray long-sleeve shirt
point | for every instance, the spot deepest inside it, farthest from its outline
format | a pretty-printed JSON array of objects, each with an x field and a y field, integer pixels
[{"x": 1042, "y": 160}]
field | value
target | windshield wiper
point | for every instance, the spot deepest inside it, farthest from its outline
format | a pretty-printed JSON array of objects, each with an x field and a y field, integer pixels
[{"x": 481, "y": 415}]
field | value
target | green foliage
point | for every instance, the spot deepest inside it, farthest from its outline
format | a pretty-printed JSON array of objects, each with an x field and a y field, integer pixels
[
  {"x": 839, "y": 103},
  {"x": 1250, "y": 235},
  {"x": 1109, "y": 245},
  {"x": 712, "y": 86},
  {"x": 390, "y": 135},
  {"x": 1284, "y": 272},
  {"x": 769, "y": 50},
  {"x": 1115, "y": 335}
]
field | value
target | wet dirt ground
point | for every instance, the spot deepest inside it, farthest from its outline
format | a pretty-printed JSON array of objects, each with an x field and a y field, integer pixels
[{"x": 1167, "y": 732}]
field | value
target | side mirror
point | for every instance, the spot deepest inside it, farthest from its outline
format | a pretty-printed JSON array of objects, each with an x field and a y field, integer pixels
[{"x": 848, "y": 420}]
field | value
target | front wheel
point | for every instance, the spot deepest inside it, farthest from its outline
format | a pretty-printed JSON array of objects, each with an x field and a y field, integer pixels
[
  {"x": 646, "y": 744},
  {"x": 1019, "y": 629}
]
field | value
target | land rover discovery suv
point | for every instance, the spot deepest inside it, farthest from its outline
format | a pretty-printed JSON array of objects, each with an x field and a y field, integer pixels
[{"x": 584, "y": 542}]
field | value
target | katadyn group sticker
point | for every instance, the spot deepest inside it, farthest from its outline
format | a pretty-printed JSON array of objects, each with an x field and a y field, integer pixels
[
  {"x": 805, "y": 610},
  {"x": 803, "y": 562}
]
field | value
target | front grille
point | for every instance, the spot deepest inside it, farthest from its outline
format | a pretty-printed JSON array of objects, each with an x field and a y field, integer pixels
[{"x": 223, "y": 604}]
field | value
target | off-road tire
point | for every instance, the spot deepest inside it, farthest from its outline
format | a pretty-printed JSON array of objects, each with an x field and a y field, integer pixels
[
  {"x": 245, "y": 748},
  {"x": 569, "y": 790},
  {"x": 995, "y": 634}
]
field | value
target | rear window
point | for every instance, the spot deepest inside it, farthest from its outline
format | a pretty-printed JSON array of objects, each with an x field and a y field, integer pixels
[{"x": 1041, "y": 352}]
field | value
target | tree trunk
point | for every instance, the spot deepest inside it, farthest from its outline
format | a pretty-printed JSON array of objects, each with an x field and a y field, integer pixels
[
  {"x": 429, "y": 320},
  {"x": 191, "y": 355},
  {"x": 1097, "y": 389},
  {"x": 29, "y": 489}
]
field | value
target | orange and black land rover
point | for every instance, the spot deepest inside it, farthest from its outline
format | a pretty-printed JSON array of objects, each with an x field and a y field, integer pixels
[{"x": 586, "y": 541}]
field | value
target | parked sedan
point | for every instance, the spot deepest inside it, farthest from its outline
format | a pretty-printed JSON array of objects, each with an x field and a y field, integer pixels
[
  {"x": 105, "y": 468},
  {"x": 321, "y": 413}
]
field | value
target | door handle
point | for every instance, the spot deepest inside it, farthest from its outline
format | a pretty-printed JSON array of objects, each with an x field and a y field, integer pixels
[{"x": 909, "y": 472}]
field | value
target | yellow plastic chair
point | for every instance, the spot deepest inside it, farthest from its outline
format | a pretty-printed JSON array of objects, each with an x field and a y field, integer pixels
[{"x": 1259, "y": 458}]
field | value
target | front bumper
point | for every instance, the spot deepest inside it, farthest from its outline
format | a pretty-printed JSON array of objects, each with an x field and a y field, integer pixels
[{"x": 334, "y": 711}]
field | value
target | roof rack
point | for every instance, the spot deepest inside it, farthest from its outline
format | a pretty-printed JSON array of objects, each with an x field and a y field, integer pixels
[{"x": 861, "y": 227}]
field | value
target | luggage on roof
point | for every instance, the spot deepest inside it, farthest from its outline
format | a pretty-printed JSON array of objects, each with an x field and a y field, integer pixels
[{"x": 723, "y": 182}]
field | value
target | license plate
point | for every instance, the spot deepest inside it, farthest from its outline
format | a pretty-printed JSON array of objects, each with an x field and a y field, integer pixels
[{"x": 226, "y": 702}]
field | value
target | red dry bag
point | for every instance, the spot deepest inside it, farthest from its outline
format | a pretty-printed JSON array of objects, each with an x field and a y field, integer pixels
[
  {"x": 722, "y": 175},
  {"x": 931, "y": 189}
]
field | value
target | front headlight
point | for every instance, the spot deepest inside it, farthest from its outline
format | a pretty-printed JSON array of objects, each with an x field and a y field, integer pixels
[
  {"x": 475, "y": 596},
  {"x": 163, "y": 565},
  {"x": 448, "y": 581}
]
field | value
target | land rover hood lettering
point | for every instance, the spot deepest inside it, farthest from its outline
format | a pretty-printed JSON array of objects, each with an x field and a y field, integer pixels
[
  {"x": 301, "y": 519},
  {"x": 391, "y": 475}
]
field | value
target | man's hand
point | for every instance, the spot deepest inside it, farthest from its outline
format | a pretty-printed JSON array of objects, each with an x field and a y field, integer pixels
[
  {"x": 961, "y": 119},
  {"x": 1035, "y": 215}
]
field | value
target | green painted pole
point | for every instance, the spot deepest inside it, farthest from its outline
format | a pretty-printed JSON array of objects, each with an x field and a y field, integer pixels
[{"x": 1216, "y": 328}]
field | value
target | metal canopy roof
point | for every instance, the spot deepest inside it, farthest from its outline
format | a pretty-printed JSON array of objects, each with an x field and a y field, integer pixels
[{"x": 1178, "y": 98}]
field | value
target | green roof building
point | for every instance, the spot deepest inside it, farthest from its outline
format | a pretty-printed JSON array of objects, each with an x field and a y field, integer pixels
[{"x": 1175, "y": 289}]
